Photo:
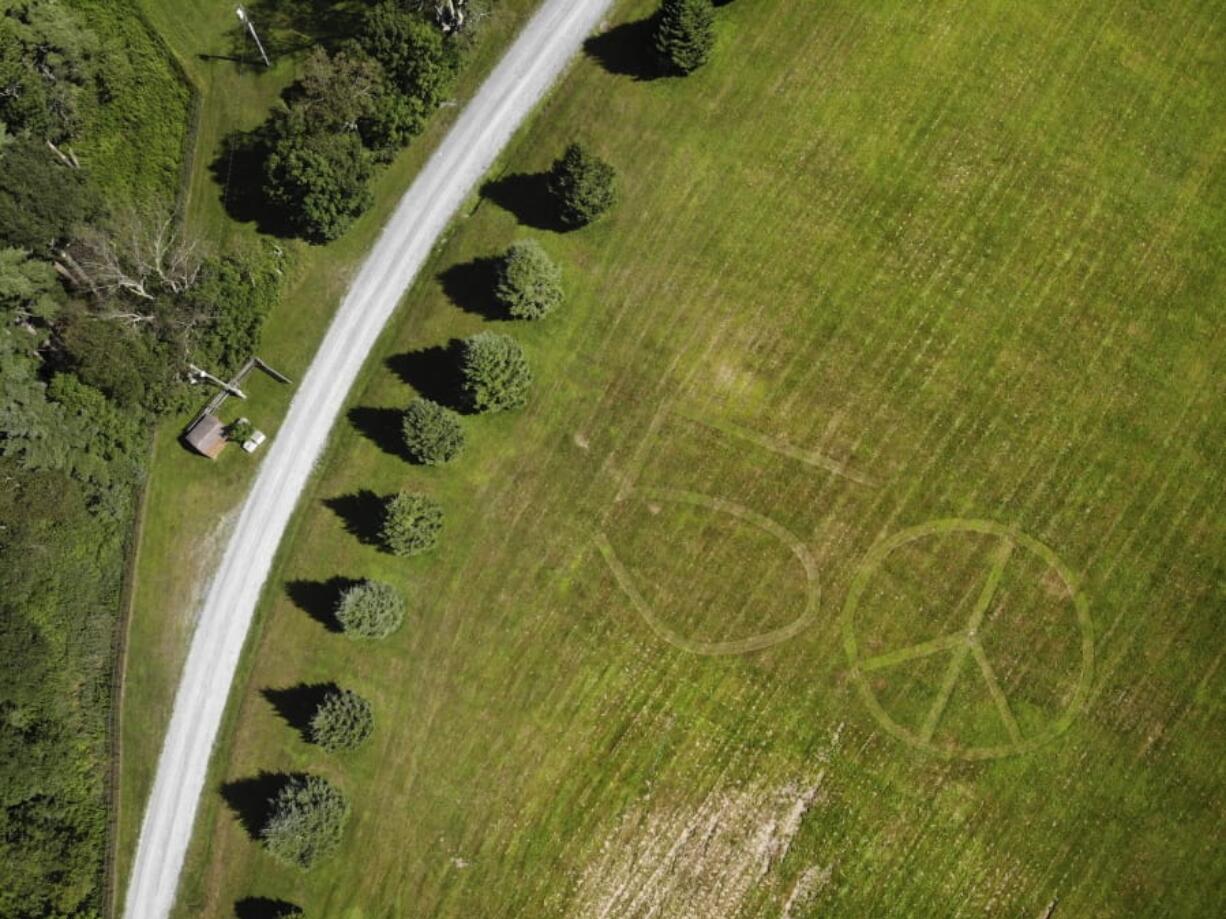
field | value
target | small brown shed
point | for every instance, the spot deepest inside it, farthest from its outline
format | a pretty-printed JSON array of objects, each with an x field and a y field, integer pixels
[{"x": 207, "y": 436}]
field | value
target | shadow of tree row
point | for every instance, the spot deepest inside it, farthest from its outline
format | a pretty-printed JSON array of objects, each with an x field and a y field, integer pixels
[
  {"x": 251, "y": 799},
  {"x": 628, "y": 50},
  {"x": 264, "y": 908},
  {"x": 296, "y": 705},
  {"x": 318, "y": 599}
]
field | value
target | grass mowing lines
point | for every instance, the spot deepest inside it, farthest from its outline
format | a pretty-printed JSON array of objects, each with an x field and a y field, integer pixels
[
  {"x": 629, "y": 488},
  {"x": 740, "y": 646},
  {"x": 890, "y": 236},
  {"x": 965, "y": 645}
]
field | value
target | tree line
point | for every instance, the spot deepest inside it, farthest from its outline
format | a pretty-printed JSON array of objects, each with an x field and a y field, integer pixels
[
  {"x": 308, "y": 814},
  {"x": 102, "y": 301}
]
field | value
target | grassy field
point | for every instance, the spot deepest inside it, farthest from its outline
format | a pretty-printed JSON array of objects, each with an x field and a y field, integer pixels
[
  {"x": 860, "y": 551},
  {"x": 190, "y": 502}
]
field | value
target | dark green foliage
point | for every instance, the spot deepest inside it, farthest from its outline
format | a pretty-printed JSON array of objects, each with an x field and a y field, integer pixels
[
  {"x": 496, "y": 375},
  {"x": 59, "y": 577},
  {"x": 308, "y": 819},
  {"x": 335, "y": 92},
  {"x": 685, "y": 33},
  {"x": 102, "y": 444},
  {"x": 240, "y": 431},
  {"x": 433, "y": 434},
  {"x": 67, "y": 426},
  {"x": 48, "y": 63},
  {"x": 41, "y": 200},
  {"x": 412, "y": 524},
  {"x": 583, "y": 186},
  {"x": 351, "y": 108},
  {"x": 132, "y": 368},
  {"x": 420, "y": 62},
  {"x": 30, "y": 293},
  {"x": 318, "y": 180},
  {"x": 237, "y": 294},
  {"x": 529, "y": 283},
  {"x": 343, "y": 721},
  {"x": 370, "y": 610},
  {"x": 89, "y": 76},
  {"x": 392, "y": 125}
]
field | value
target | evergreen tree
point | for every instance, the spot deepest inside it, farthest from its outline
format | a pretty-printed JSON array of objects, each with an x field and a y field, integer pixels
[
  {"x": 529, "y": 282},
  {"x": 685, "y": 33},
  {"x": 583, "y": 186},
  {"x": 411, "y": 524},
  {"x": 308, "y": 819},
  {"x": 370, "y": 610},
  {"x": 433, "y": 434},
  {"x": 496, "y": 373},
  {"x": 343, "y": 721}
]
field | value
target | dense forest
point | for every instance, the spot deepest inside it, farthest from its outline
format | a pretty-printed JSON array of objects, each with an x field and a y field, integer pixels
[{"x": 102, "y": 303}]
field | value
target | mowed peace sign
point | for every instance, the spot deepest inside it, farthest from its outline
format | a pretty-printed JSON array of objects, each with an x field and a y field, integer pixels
[{"x": 961, "y": 648}]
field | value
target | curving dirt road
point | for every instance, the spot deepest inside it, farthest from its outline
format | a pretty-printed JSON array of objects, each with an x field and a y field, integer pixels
[{"x": 523, "y": 76}]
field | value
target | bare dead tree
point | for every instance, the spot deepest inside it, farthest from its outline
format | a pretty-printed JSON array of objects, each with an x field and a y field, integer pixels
[
  {"x": 140, "y": 258},
  {"x": 68, "y": 160},
  {"x": 453, "y": 15}
]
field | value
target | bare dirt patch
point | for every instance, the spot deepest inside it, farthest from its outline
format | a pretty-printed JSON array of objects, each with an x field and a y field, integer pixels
[{"x": 702, "y": 862}]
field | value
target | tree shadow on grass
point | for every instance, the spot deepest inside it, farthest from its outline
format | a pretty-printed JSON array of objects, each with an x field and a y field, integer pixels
[
  {"x": 319, "y": 599},
  {"x": 264, "y": 908},
  {"x": 297, "y": 704},
  {"x": 320, "y": 20},
  {"x": 527, "y": 197},
  {"x": 434, "y": 372},
  {"x": 628, "y": 50},
  {"x": 383, "y": 427},
  {"x": 238, "y": 171},
  {"x": 361, "y": 513},
  {"x": 251, "y": 799},
  {"x": 471, "y": 285}
]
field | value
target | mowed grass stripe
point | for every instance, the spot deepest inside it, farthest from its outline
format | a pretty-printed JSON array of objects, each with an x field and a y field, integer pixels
[{"x": 962, "y": 252}]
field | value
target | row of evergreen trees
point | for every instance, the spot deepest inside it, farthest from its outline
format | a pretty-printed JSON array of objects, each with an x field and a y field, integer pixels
[{"x": 308, "y": 814}]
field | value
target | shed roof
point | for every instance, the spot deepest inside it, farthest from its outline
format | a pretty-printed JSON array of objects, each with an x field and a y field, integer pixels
[{"x": 207, "y": 436}]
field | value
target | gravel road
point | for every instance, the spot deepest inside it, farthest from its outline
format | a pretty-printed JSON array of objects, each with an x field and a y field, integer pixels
[{"x": 532, "y": 64}]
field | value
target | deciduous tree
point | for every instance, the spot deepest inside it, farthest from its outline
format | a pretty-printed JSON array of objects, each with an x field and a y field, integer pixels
[
  {"x": 319, "y": 180},
  {"x": 335, "y": 91},
  {"x": 418, "y": 59}
]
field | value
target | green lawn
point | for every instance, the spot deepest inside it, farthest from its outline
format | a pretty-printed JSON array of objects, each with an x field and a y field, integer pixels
[
  {"x": 908, "y": 329},
  {"x": 190, "y": 501}
]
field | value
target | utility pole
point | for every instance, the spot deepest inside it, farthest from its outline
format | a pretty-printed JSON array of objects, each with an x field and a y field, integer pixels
[{"x": 246, "y": 20}]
